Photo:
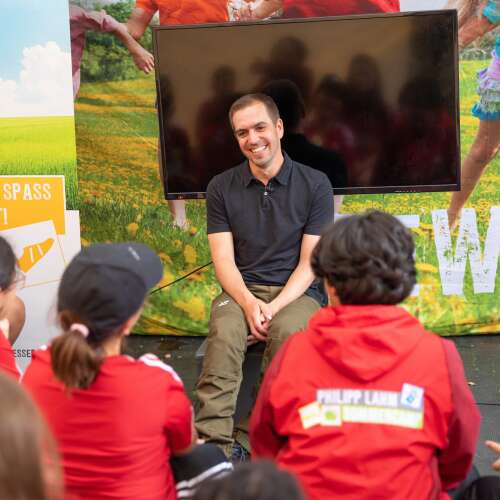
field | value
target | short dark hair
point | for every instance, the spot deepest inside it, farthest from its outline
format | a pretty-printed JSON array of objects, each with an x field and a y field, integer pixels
[
  {"x": 250, "y": 99},
  {"x": 367, "y": 258},
  {"x": 260, "y": 480},
  {"x": 7, "y": 264}
]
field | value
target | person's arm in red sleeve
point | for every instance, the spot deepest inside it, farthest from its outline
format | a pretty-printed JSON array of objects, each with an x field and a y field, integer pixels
[
  {"x": 456, "y": 459},
  {"x": 7, "y": 358},
  {"x": 390, "y": 5},
  {"x": 180, "y": 423},
  {"x": 265, "y": 441}
]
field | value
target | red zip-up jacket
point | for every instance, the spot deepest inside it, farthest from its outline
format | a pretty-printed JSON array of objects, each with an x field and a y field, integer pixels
[
  {"x": 318, "y": 8},
  {"x": 364, "y": 404}
]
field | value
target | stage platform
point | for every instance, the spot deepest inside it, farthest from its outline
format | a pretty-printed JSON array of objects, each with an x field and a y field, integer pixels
[{"x": 480, "y": 354}]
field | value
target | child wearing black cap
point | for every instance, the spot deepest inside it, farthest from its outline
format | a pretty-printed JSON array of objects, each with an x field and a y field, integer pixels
[{"x": 117, "y": 420}]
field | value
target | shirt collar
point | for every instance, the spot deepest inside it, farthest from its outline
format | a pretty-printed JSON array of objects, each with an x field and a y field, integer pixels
[{"x": 282, "y": 177}]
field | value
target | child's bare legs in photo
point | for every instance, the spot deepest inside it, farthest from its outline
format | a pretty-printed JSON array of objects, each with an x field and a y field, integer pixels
[
  {"x": 483, "y": 150},
  {"x": 178, "y": 211},
  {"x": 177, "y": 207}
]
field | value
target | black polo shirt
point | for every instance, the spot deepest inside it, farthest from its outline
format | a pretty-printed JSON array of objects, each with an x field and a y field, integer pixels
[{"x": 267, "y": 222}]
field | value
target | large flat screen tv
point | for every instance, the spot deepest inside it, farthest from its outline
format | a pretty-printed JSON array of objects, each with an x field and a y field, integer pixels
[{"x": 372, "y": 100}]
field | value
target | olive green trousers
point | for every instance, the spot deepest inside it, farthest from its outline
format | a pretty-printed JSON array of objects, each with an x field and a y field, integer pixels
[{"x": 221, "y": 375}]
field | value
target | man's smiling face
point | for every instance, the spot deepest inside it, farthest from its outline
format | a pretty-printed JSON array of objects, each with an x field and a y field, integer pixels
[{"x": 257, "y": 135}]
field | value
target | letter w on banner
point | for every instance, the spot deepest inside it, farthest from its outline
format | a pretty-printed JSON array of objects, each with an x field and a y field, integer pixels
[{"x": 452, "y": 264}]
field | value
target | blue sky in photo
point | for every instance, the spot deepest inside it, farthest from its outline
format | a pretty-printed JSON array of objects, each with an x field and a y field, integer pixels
[{"x": 26, "y": 23}]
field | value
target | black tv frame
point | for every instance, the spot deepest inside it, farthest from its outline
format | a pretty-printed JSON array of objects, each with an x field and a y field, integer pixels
[{"x": 337, "y": 191}]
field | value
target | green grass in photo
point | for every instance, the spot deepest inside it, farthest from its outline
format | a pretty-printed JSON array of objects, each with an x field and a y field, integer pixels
[
  {"x": 448, "y": 314},
  {"x": 122, "y": 199},
  {"x": 40, "y": 146}
]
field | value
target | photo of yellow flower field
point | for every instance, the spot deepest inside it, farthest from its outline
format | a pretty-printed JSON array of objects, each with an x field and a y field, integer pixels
[{"x": 121, "y": 198}]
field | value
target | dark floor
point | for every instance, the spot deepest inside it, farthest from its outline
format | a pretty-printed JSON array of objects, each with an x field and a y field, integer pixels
[{"x": 480, "y": 354}]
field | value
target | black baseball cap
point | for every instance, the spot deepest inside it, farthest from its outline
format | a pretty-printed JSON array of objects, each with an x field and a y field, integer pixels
[{"x": 106, "y": 283}]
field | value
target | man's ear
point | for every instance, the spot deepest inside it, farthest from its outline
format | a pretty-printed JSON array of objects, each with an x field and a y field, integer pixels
[
  {"x": 333, "y": 298},
  {"x": 280, "y": 128}
]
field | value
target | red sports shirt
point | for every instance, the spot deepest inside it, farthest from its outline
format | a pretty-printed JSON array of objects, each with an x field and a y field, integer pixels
[
  {"x": 186, "y": 11},
  {"x": 318, "y": 8},
  {"x": 117, "y": 436}
]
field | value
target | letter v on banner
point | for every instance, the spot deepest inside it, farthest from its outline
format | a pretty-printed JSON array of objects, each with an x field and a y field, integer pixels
[{"x": 452, "y": 265}]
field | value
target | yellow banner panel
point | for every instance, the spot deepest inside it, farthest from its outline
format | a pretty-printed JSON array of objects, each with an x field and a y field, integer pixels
[{"x": 26, "y": 199}]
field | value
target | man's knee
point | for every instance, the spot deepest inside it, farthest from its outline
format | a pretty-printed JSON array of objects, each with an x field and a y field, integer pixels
[
  {"x": 226, "y": 332},
  {"x": 227, "y": 326},
  {"x": 226, "y": 346},
  {"x": 286, "y": 326},
  {"x": 293, "y": 318}
]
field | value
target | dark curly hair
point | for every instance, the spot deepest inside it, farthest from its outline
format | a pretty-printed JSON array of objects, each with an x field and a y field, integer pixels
[
  {"x": 367, "y": 258},
  {"x": 256, "y": 480}
]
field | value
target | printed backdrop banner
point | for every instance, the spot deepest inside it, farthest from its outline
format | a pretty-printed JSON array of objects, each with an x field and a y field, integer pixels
[
  {"x": 121, "y": 197},
  {"x": 38, "y": 186},
  {"x": 27, "y": 199}
]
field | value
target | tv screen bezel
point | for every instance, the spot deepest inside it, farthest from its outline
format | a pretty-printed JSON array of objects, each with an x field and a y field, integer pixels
[{"x": 338, "y": 191}]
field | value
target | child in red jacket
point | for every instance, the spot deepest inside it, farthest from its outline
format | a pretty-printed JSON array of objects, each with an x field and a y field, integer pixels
[{"x": 365, "y": 403}]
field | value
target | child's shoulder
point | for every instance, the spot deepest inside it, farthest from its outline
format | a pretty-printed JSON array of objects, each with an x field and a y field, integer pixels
[{"x": 155, "y": 365}]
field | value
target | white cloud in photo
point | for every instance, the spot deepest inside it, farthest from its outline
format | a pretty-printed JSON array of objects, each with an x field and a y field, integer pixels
[{"x": 44, "y": 86}]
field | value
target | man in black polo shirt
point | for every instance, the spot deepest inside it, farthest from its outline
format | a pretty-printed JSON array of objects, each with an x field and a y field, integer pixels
[{"x": 264, "y": 219}]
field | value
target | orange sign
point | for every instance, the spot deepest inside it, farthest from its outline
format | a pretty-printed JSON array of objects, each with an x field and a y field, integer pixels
[{"x": 26, "y": 199}]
